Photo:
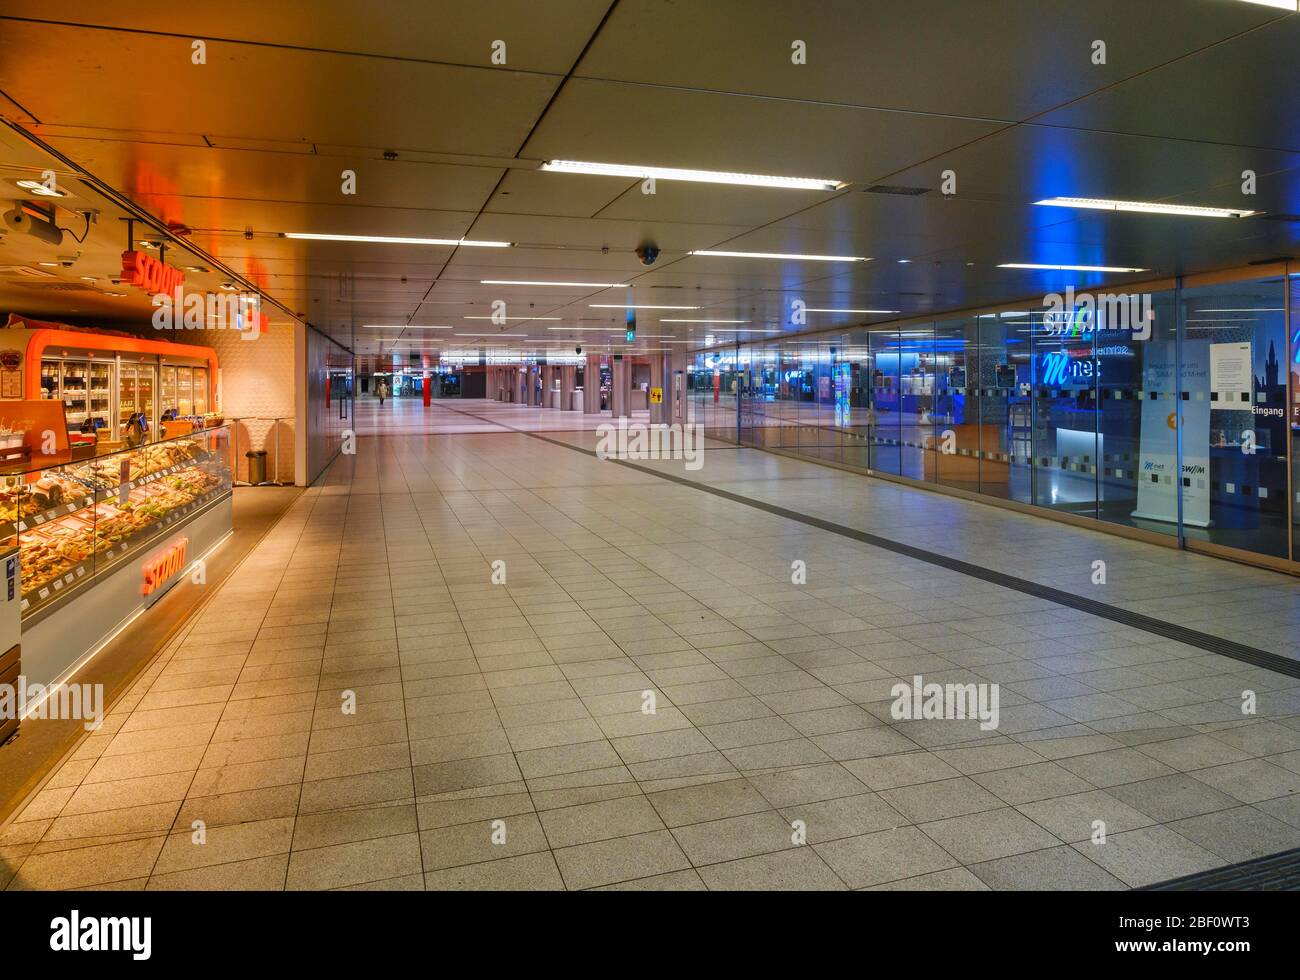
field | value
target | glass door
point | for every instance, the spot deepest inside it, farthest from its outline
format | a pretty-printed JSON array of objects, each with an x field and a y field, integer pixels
[
  {"x": 200, "y": 391},
  {"x": 126, "y": 395},
  {"x": 50, "y": 380},
  {"x": 75, "y": 392},
  {"x": 185, "y": 391},
  {"x": 168, "y": 393},
  {"x": 101, "y": 395},
  {"x": 145, "y": 390}
]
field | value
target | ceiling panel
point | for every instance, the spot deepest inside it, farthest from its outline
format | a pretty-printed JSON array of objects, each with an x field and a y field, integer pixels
[
  {"x": 233, "y": 174},
  {"x": 1246, "y": 91},
  {"x": 267, "y": 93},
  {"x": 632, "y": 124},
  {"x": 1000, "y": 59},
  {"x": 539, "y": 37}
]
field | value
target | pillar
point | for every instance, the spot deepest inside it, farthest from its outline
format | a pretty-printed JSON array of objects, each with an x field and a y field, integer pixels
[
  {"x": 620, "y": 385},
  {"x": 661, "y": 413},
  {"x": 568, "y": 386},
  {"x": 521, "y": 385},
  {"x": 591, "y": 386},
  {"x": 531, "y": 400}
]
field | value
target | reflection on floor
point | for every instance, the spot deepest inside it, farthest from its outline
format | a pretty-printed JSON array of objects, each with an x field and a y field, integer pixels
[{"x": 648, "y": 700}]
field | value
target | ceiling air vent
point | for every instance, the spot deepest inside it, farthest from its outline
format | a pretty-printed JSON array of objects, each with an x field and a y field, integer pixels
[{"x": 896, "y": 190}]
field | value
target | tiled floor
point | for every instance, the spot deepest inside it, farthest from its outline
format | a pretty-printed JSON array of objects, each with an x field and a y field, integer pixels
[{"x": 500, "y": 740}]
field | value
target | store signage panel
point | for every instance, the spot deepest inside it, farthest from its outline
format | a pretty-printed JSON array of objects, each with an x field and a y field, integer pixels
[
  {"x": 162, "y": 571},
  {"x": 142, "y": 270}
]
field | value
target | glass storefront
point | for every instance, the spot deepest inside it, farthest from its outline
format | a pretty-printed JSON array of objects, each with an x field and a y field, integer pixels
[{"x": 1171, "y": 409}]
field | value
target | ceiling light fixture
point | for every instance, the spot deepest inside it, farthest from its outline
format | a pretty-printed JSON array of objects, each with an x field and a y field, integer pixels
[
  {"x": 779, "y": 255},
  {"x": 400, "y": 326},
  {"x": 696, "y": 176},
  {"x": 391, "y": 240},
  {"x": 39, "y": 189},
  {"x": 1279, "y": 4},
  {"x": 1144, "y": 207},
  {"x": 850, "y": 311},
  {"x": 500, "y": 318},
  {"x": 703, "y": 321},
  {"x": 636, "y": 306},
  {"x": 1068, "y": 268},
  {"x": 572, "y": 285}
]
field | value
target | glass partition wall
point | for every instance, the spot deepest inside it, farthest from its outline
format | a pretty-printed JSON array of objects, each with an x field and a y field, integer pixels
[{"x": 1173, "y": 411}]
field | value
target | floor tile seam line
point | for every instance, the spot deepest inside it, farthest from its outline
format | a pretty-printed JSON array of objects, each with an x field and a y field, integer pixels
[
  {"x": 1171, "y": 631},
  {"x": 181, "y": 632},
  {"x": 297, "y": 808}
]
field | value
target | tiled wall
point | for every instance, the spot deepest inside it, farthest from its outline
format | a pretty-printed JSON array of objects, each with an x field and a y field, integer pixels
[{"x": 257, "y": 382}]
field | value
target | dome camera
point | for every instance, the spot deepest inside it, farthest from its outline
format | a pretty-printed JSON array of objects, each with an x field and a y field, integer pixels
[
  {"x": 647, "y": 254},
  {"x": 578, "y": 349}
]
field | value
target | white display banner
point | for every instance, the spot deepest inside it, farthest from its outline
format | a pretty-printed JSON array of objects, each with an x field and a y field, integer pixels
[{"x": 1158, "y": 478}]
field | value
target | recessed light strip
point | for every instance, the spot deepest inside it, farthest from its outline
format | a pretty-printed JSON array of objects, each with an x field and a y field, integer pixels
[
  {"x": 779, "y": 255},
  {"x": 1144, "y": 207},
  {"x": 1068, "y": 268},
  {"x": 636, "y": 306},
  {"x": 810, "y": 310},
  {"x": 391, "y": 240},
  {"x": 571, "y": 285},
  {"x": 638, "y": 172}
]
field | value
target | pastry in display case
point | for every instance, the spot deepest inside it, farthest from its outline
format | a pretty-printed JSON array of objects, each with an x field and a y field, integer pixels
[{"x": 77, "y": 520}]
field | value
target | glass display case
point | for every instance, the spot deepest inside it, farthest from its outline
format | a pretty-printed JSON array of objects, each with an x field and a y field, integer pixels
[{"x": 77, "y": 521}]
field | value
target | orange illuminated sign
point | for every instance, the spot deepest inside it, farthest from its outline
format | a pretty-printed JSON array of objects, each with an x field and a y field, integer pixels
[
  {"x": 143, "y": 270},
  {"x": 160, "y": 568}
]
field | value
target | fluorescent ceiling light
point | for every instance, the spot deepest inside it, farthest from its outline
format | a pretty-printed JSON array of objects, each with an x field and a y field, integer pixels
[
  {"x": 512, "y": 318},
  {"x": 698, "y": 176},
  {"x": 1068, "y": 268},
  {"x": 39, "y": 189},
  {"x": 1145, "y": 207},
  {"x": 1279, "y": 4},
  {"x": 780, "y": 255},
  {"x": 1248, "y": 309},
  {"x": 572, "y": 285},
  {"x": 577, "y": 328},
  {"x": 400, "y": 326},
  {"x": 388, "y": 240},
  {"x": 489, "y": 335},
  {"x": 703, "y": 321},
  {"x": 810, "y": 310},
  {"x": 633, "y": 306}
]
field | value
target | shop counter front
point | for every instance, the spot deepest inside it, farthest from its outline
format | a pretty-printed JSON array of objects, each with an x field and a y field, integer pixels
[{"x": 101, "y": 539}]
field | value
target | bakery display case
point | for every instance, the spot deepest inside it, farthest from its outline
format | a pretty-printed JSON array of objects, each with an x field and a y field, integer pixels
[{"x": 77, "y": 522}]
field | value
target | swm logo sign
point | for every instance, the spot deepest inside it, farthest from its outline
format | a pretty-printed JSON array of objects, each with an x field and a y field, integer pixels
[{"x": 1080, "y": 315}]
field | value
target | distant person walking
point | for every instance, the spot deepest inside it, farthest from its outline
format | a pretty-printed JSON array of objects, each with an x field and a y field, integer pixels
[{"x": 382, "y": 391}]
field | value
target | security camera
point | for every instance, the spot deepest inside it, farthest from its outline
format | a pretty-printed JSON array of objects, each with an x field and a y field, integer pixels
[
  {"x": 68, "y": 261},
  {"x": 46, "y": 231},
  {"x": 647, "y": 254},
  {"x": 578, "y": 349}
]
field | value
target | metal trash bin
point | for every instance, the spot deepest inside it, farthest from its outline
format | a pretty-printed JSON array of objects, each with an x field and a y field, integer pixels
[{"x": 256, "y": 466}]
